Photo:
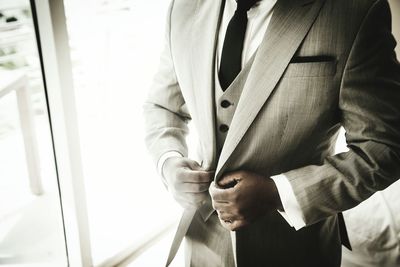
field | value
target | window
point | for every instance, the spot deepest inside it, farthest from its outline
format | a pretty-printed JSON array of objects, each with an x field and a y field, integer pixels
[
  {"x": 31, "y": 226},
  {"x": 115, "y": 48}
]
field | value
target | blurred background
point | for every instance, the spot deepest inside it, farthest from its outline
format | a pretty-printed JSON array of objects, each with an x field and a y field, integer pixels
[
  {"x": 114, "y": 46},
  {"x": 114, "y": 49}
]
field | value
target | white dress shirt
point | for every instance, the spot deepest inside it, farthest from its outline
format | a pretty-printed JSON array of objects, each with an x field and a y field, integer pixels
[{"x": 259, "y": 17}]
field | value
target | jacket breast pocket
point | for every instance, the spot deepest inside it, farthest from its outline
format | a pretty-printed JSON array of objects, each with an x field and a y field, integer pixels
[{"x": 311, "y": 69}]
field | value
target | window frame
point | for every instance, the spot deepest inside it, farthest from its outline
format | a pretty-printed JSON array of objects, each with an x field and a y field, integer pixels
[
  {"x": 52, "y": 41},
  {"x": 54, "y": 52}
]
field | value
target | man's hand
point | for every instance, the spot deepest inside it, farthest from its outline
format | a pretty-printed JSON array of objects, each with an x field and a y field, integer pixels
[
  {"x": 241, "y": 197},
  {"x": 187, "y": 182}
]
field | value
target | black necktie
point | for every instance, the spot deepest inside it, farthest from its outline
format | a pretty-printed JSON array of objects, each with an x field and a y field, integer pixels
[{"x": 231, "y": 59}]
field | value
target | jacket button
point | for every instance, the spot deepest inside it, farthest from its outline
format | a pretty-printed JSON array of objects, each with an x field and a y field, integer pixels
[
  {"x": 225, "y": 103},
  {"x": 223, "y": 128}
]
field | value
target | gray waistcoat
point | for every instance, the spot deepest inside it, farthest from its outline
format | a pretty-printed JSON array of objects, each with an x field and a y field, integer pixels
[{"x": 226, "y": 103}]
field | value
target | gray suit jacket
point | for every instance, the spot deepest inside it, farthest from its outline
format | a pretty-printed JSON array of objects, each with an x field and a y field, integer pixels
[{"x": 323, "y": 64}]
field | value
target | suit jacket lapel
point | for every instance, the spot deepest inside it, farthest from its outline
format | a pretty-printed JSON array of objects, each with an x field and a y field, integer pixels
[
  {"x": 289, "y": 25},
  {"x": 204, "y": 39}
]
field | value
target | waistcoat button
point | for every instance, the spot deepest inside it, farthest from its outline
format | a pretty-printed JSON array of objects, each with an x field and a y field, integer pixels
[
  {"x": 225, "y": 103},
  {"x": 223, "y": 128}
]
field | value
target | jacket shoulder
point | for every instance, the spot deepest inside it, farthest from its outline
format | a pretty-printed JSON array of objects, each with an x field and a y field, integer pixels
[{"x": 349, "y": 14}]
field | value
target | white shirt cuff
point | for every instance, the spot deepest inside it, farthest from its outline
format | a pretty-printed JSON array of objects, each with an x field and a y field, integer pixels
[
  {"x": 163, "y": 158},
  {"x": 292, "y": 214}
]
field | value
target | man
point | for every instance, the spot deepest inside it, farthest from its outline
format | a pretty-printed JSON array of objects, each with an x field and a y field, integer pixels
[{"x": 267, "y": 85}]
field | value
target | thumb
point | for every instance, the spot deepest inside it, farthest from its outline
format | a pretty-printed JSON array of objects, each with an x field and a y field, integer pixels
[
  {"x": 193, "y": 165},
  {"x": 228, "y": 181}
]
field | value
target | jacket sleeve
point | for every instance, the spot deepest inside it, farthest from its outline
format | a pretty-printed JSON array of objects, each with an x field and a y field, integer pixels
[
  {"x": 165, "y": 112},
  {"x": 369, "y": 103}
]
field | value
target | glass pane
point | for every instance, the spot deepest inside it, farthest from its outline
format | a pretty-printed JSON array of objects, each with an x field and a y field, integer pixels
[
  {"x": 115, "y": 51},
  {"x": 31, "y": 227}
]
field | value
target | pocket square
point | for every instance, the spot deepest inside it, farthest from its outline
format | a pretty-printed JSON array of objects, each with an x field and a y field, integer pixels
[{"x": 311, "y": 59}]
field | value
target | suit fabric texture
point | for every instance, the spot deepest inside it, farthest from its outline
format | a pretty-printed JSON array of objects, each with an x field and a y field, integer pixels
[{"x": 325, "y": 64}]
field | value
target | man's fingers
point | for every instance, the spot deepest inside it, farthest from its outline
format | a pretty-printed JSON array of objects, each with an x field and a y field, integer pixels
[
  {"x": 221, "y": 195},
  {"x": 193, "y": 165},
  {"x": 192, "y": 176},
  {"x": 229, "y": 180},
  {"x": 236, "y": 225},
  {"x": 227, "y": 209},
  {"x": 227, "y": 216},
  {"x": 233, "y": 225},
  {"x": 193, "y": 187},
  {"x": 221, "y": 206}
]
